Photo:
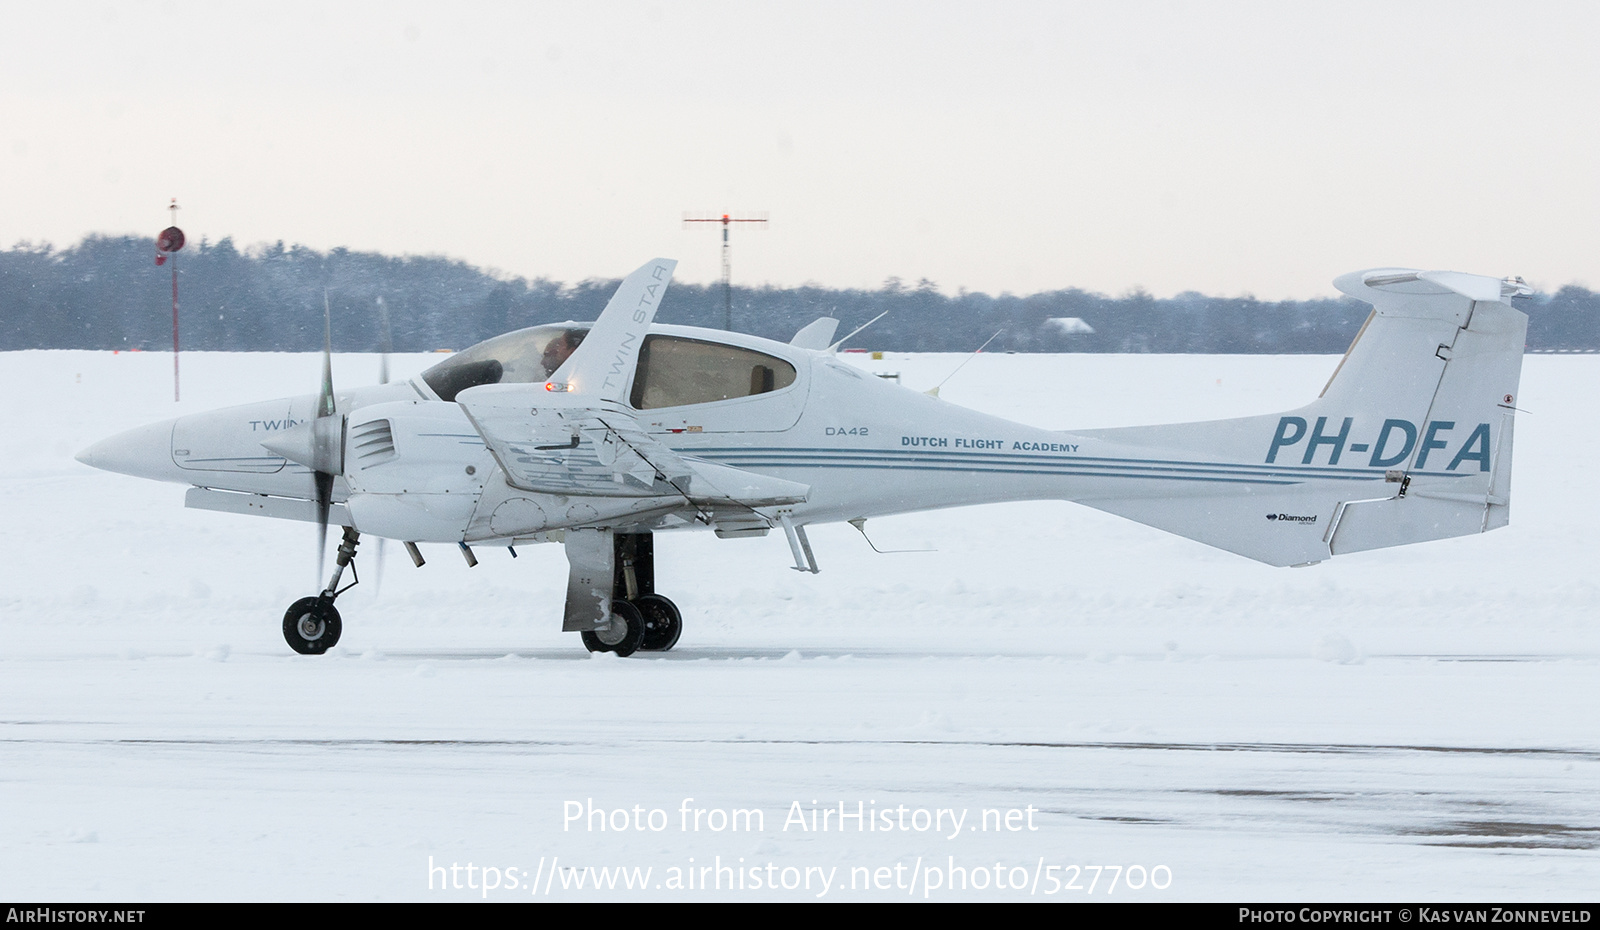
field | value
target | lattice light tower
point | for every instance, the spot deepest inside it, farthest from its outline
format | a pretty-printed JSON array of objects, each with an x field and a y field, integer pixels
[{"x": 727, "y": 256}]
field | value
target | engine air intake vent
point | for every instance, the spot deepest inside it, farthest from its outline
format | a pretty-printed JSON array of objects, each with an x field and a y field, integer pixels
[{"x": 373, "y": 443}]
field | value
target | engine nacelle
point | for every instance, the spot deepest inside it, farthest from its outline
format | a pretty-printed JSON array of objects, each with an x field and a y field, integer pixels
[
  {"x": 416, "y": 470},
  {"x": 419, "y": 471}
]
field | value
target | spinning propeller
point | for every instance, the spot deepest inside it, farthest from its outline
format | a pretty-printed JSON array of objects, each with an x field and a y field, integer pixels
[
  {"x": 312, "y": 624},
  {"x": 327, "y": 436},
  {"x": 319, "y": 443}
]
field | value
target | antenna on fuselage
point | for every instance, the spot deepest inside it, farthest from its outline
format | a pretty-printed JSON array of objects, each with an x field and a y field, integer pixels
[
  {"x": 860, "y": 523},
  {"x": 934, "y": 391},
  {"x": 836, "y": 345}
]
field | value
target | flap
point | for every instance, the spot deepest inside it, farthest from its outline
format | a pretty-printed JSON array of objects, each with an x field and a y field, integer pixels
[{"x": 567, "y": 446}]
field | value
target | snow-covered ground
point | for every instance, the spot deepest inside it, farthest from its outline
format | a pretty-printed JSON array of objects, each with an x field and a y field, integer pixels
[{"x": 1412, "y": 723}]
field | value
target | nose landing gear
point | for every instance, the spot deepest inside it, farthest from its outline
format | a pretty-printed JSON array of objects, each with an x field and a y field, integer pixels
[
  {"x": 637, "y": 619},
  {"x": 311, "y": 626}
]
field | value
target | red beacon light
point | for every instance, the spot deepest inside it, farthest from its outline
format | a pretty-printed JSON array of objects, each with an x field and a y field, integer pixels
[{"x": 170, "y": 240}]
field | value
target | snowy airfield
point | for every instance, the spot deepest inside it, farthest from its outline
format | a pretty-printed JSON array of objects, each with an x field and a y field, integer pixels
[{"x": 1407, "y": 724}]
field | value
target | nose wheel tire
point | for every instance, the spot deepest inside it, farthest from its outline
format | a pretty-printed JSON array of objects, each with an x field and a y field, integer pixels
[
  {"x": 663, "y": 624},
  {"x": 311, "y": 626},
  {"x": 622, "y": 636}
]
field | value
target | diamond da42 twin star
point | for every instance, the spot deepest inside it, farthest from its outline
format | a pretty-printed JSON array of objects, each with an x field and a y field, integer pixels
[{"x": 598, "y": 436}]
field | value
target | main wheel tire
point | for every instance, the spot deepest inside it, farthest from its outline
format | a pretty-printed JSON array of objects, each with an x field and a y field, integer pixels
[
  {"x": 663, "y": 624},
  {"x": 311, "y": 626},
  {"x": 622, "y": 636}
]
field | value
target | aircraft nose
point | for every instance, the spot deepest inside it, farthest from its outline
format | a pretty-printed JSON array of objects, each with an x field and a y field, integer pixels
[{"x": 145, "y": 452}]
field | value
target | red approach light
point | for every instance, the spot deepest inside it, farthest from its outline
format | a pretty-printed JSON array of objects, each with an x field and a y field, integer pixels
[{"x": 170, "y": 240}]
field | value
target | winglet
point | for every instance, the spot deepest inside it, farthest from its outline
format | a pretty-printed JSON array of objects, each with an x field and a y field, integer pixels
[{"x": 601, "y": 365}]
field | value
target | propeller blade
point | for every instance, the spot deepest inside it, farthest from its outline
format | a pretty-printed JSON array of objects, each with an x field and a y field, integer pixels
[
  {"x": 325, "y": 402},
  {"x": 385, "y": 349},
  {"x": 324, "y": 458},
  {"x": 324, "y": 482},
  {"x": 385, "y": 341},
  {"x": 377, "y": 569}
]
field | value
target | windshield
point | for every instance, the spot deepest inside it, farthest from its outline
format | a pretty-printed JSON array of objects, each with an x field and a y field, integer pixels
[{"x": 526, "y": 356}]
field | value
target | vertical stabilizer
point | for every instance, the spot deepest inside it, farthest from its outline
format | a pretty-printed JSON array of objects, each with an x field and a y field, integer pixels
[{"x": 1409, "y": 441}]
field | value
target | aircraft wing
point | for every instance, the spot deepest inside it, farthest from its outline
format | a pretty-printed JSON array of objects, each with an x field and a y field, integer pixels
[
  {"x": 573, "y": 434},
  {"x": 557, "y": 443},
  {"x": 601, "y": 366}
]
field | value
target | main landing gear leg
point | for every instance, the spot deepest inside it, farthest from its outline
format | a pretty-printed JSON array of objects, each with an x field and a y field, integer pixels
[
  {"x": 635, "y": 581},
  {"x": 611, "y": 595},
  {"x": 311, "y": 625}
]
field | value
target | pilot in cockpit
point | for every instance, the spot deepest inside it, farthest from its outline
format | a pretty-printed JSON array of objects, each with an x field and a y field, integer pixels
[{"x": 560, "y": 349}]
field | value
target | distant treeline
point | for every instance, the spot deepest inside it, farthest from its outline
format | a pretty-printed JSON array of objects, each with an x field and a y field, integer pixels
[{"x": 106, "y": 293}]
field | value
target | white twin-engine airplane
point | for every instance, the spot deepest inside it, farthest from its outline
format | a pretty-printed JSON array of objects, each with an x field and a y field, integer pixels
[{"x": 599, "y": 435}]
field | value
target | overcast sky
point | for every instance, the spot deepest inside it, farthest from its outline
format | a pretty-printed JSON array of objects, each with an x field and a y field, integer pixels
[{"x": 1227, "y": 148}]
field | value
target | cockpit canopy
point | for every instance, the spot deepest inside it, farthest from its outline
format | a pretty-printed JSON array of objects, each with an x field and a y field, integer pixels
[
  {"x": 673, "y": 371},
  {"x": 527, "y": 356}
]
